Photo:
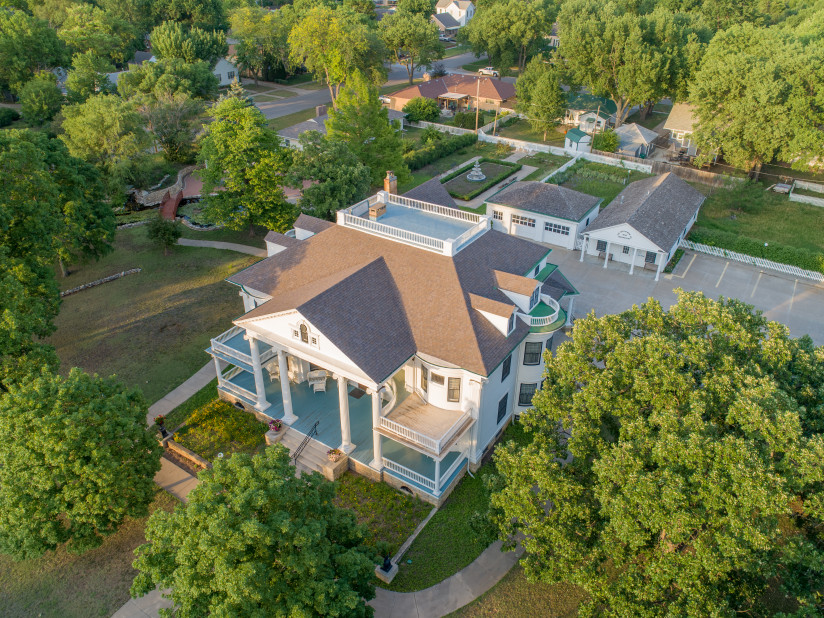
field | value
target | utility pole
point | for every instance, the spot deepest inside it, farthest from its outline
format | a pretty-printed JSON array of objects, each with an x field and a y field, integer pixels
[{"x": 477, "y": 101}]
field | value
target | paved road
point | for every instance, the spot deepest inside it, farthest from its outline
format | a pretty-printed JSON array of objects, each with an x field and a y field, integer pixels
[
  {"x": 397, "y": 75},
  {"x": 797, "y": 303}
]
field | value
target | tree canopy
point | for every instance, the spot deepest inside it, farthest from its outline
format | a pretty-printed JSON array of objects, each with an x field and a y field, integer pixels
[
  {"x": 539, "y": 95},
  {"x": 85, "y": 464},
  {"x": 245, "y": 169},
  {"x": 422, "y": 108},
  {"x": 675, "y": 463},
  {"x": 88, "y": 28},
  {"x": 252, "y": 526},
  {"x": 412, "y": 38},
  {"x": 89, "y": 75},
  {"x": 263, "y": 39},
  {"x": 40, "y": 98},
  {"x": 27, "y": 45},
  {"x": 338, "y": 178},
  {"x": 169, "y": 77},
  {"x": 205, "y": 14},
  {"x": 173, "y": 40}
]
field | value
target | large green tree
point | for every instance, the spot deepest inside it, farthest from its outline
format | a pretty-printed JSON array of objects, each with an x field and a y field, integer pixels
[
  {"x": 75, "y": 461},
  {"x": 88, "y": 76},
  {"x": 87, "y": 28},
  {"x": 255, "y": 540},
  {"x": 173, "y": 40},
  {"x": 245, "y": 169},
  {"x": 758, "y": 97},
  {"x": 336, "y": 46},
  {"x": 173, "y": 121},
  {"x": 205, "y": 14},
  {"x": 169, "y": 77},
  {"x": 509, "y": 31},
  {"x": 413, "y": 40},
  {"x": 40, "y": 98},
  {"x": 27, "y": 45},
  {"x": 263, "y": 39},
  {"x": 675, "y": 465},
  {"x": 338, "y": 178},
  {"x": 539, "y": 95},
  {"x": 362, "y": 122}
]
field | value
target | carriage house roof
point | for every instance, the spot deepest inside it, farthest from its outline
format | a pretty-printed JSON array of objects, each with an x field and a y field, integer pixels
[
  {"x": 659, "y": 208},
  {"x": 432, "y": 191},
  {"x": 381, "y": 301},
  {"x": 546, "y": 199}
]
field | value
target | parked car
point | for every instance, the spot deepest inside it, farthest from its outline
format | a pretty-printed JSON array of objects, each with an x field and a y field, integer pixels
[
  {"x": 385, "y": 100},
  {"x": 444, "y": 37},
  {"x": 491, "y": 71}
]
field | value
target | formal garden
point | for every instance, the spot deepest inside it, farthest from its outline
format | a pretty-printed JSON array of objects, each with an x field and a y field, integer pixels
[
  {"x": 598, "y": 179},
  {"x": 460, "y": 183}
]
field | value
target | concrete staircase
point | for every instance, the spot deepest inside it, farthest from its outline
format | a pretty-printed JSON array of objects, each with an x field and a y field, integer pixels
[{"x": 313, "y": 455}]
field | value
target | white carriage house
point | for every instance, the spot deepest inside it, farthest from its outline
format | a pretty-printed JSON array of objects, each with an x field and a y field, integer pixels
[
  {"x": 645, "y": 224},
  {"x": 410, "y": 332},
  {"x": 542, "y": 212}
]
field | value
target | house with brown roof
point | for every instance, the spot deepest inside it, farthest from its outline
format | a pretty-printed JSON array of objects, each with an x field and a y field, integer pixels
[
  {"x": 644, "y": 225},
  {"x": 458, "y": 93},
  {"x": 406, "y": 334},
  {"x": 542, "y": 212}
]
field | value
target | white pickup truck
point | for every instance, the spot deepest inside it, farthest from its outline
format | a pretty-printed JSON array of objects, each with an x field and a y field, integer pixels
[{"x": 491, "y": 71}]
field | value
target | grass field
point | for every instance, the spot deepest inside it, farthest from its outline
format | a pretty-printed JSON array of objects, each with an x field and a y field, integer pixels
[
  {"x": 766, "y": 216},
  {"x": 479, "y": 149},
  {"x": 522, "y": 130},
  {"x": 149, "y": 328},
  {"x": 62, "y": 585},
  {"x": 657, "y": 116},
  {"x": 515, "y": 597},
  {"x": 289, "y": 119},
  {"x": 545, "y": 162},
  {"x": 451, "y": 52}
]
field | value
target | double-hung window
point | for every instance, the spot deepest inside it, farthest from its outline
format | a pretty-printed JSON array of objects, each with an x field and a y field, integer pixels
[
  {"x": 532, "y": 352},
  {"x": 453, "y": 391},
  {"x": 498, "y": 215},
  {"x": 526, "y": 394},
  {"x": 502, "y": 405},
  {"x": 601, "y": 245},
  {"x": 506, "y": 367},
  {"x": 424, "y": 379}
]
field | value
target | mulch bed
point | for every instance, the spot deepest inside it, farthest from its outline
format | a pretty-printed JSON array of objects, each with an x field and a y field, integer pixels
[{"x": 181, "y": 462}]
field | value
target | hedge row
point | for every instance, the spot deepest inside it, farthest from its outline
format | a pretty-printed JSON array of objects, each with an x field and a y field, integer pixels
[
  {"x": 776, "y": 252},
  {"x": 7, "y": 116},
  {"x": 433, "y": 151},
  {"x": 486, "y": 184}
]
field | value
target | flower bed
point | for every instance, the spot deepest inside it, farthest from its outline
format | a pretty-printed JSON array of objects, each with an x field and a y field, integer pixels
[
  {"x": 495, "y": 170},
  {"x": 219, "y": 427}
]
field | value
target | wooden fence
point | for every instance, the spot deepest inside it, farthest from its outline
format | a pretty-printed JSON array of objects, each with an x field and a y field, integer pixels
[
  {"x": 694, "y": 175},
  {"x": 754, "y": 261}
]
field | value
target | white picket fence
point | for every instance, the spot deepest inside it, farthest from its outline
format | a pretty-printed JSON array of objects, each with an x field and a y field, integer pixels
[{"x": 754, "y": 261}]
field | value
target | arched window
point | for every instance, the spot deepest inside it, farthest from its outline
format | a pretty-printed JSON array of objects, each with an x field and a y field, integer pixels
[{"x": 304, "y": 333}]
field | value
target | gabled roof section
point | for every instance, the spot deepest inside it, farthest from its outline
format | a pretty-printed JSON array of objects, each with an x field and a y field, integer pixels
[
  {"x": 635, "y": 133},
  {"x": 481, "y": 303},
  {"x": 590, "y": 103},
  {"x": 312, "y": 224},
  {"x": 432, "y": 191},
  {"x": 281, "y": 239},
  {"x": 515, "y": 283},
  {"x": 659, "y": 208},
  {"x": 446, "y": 20},
  {"x": 488, "y": 88},
  {"x": 575, "y": 135},
  {"x": 557, "y": 286},
  {"x": 546, "y": 199},
  {"x": 681, "y": 118}
]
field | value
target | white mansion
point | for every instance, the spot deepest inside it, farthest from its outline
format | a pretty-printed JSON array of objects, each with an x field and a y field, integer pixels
[{"x": 407, "y": 334}]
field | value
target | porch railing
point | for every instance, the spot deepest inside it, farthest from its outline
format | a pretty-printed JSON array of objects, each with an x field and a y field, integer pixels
[
  {"x": 416, "y": 437},
  {"x": 412, "y": 238},
  {"x": 544, "y": 320},
  {"x": 436, "y": 209},
  {"x": 237, "y": 390},
  {"x": 219, "y": 345},
  {"x": 420, "y": 479},
  {"x": 459, "y": 461}
]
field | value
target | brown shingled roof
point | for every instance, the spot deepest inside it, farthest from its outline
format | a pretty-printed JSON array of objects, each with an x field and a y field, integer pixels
[
  {"x": 495, "y": 89},
  {"x": 481, "y": 303},
  {"x": 312, "y": 224},
  {"x": 432, "y": 294},
  {"x": 516, "y": 283}
]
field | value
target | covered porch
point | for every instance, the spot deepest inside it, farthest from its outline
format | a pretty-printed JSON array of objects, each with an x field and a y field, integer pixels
[
  {"x": 349, "y": 416},
  {"x": 453, "y": 101}
]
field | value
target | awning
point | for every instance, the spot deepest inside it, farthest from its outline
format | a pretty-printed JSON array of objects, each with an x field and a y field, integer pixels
[{"x": 453, "y": 95}]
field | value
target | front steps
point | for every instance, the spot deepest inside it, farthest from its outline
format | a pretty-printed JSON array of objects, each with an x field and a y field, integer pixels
[{"x": 313, "y": 456}]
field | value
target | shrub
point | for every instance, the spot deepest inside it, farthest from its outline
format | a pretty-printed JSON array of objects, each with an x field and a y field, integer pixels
[
  {"x": 433, "y": 151},
  {"x": 7, "y": 116},
  {"x": 606, "y": 142},
  {"x": 437, "y": 70},
  {"x": 421, "y": 108},
  {"x": 502, "y": 149},
  {"x": 40, "y": 98},
  {"x": 776, "y": 252},
  {"x": 489, "y": 182},
  {"x": 466, "y": 120},
  {"x": 219, "y": 427},
  {"x": 164, "y": 233},
  {"x": 431, "y": 134}
]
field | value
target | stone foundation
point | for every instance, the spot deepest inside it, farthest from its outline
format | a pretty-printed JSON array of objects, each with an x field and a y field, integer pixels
[{"x": 333, "y": 470}]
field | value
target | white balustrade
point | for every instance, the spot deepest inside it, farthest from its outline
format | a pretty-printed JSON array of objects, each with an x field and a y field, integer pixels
[
  {"x": 459, "y": 461},
  {"x": 754, "y": 261},
  {"x": 238, "y": 390},
  {"x": 543, "y": 320},
  {"x": 219, "y": 345},
  {"x": 416, "y": 437},
  {"x": 412, "y": 238},
  {"x": 444, "y": 211},
  {"x": 420, "y": 479}
]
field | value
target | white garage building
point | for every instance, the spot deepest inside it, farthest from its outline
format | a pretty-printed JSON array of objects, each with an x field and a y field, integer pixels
[
  {"x": 645, "y": 223},
  {"x": 543, "y": 212}
]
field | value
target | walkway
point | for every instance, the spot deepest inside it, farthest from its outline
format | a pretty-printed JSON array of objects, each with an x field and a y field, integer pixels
[{"x": 216, "y": 244}]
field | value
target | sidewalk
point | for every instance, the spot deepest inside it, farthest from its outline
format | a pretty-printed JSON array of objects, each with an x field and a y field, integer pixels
[
  {"x": 182, "y": 393},
  {"x": 216, "y": 244}
]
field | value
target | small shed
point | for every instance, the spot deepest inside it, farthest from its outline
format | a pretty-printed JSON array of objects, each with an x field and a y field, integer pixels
[{"x": 578, "y": 141}]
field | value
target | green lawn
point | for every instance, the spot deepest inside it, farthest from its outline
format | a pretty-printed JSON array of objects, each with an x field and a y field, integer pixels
[
  {"x": 605, "y": 189},
  {"x": 515, "y": 597},
  {"x": 417, "y": 178},
  {"x": 457, "y": 50},
  {"x": 522, "y": 130},
  {"x": 389, "y": 515},
  {"x": 241, "y": 237},
  {"x": 749, "y": 210},
  {"x": 545, "y": 162},
  {"x": 397, "y": 87},
  {"x": 478, "y": 149},
  {"x": 149, "y": 328},
  {"x": 657, "y": 116},
  {"x": 61, "y": 584},
  {"x": 220, "y": 427},
  {"x": 288, "y": 120},
  {"x": 462, "y": 188},
  {"x": 448, "y": 543}
]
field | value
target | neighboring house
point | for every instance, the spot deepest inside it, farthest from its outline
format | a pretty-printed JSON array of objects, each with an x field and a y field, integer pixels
[
  {"x": 407, "y": 334},
  {"x": 291, "y": 135},
  {"x": 635, "y": 140},
  {"x": 578, "y": 141},
  {"x": 645, "y": 223},
  {"x": 543, "y": 212},
  {"x": 226, "y": 72},
  {"x": 553, "y": 40},
  {"x": 588, "y": 112},
  {"x": 680, "y": 126},
  {"x": 457, "y": 93},
  {"x": 447, "y": 24},
  {"x": 460, "y": 10}
]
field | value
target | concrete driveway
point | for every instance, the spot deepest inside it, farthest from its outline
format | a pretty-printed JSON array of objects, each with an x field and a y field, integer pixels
[{"x": 798, "y": 303}]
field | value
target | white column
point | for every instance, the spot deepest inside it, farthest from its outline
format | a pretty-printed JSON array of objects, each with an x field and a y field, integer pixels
[
  {"x": 569, "y": 311},
  {"x": 343, "y": 403},
  {"x": 584, "y": 248},
  {"x": 661, "y": 259},
  {"x": 437, "y": 477},
  {"x": 606, "y": 256},
  {"x": 377, "y": 452},
  {"x": 218, "y": 371},
  {"x": 257, "y": 372},
  {"x": 288, "y": 416},
  {"x": 632, "y": 264}
]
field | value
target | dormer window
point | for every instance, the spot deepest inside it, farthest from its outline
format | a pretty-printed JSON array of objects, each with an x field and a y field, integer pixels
[
  {"x": 533, "y": 300},
  {"x": 511, "y": 323},
  {"x": 304, "y": 333}
]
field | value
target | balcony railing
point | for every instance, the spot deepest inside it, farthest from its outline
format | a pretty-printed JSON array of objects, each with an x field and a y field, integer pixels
[
  {"x": 434, "y": 445},
  {"x": 420, "y": 479},
  {"x": 459, "y": 461},
  {"x": 411, "y": 238},
  {"x": 219, "y": 345},
  {"x": 543, "y": 320},
  {"x": 436, "y": 209}
]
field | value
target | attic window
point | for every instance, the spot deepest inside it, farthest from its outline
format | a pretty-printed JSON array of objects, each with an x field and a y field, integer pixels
[
  {"x": 511, "y": 325},
  {"x": 304, "y": 333}
]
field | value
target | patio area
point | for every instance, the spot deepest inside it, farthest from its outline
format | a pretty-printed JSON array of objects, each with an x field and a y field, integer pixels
[{"x": 423, "y": 222}]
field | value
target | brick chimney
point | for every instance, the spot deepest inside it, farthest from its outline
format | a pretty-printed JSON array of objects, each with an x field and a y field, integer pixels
[
  {"x": 320, "y": 110},
  {"x": 390, "y": 183}
]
